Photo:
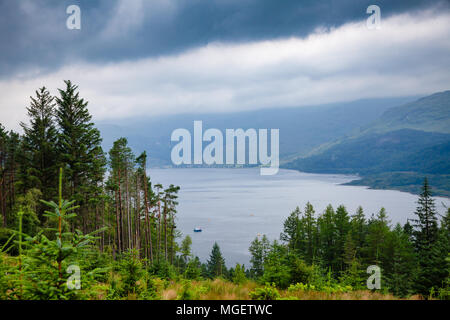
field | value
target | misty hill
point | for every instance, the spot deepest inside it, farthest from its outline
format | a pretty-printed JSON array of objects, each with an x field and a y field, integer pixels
[
  {"x": 301, "y": 129},
  {"x": 397, "y": 150},
  {"x": 431, "y": 113},
  {"x": 401, "y": 150}
]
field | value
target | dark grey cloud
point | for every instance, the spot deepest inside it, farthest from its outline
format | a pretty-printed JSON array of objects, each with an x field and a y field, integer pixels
[{"x": 34, "y": 38}]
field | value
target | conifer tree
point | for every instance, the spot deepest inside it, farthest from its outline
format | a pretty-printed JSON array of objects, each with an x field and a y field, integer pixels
[
  {"x": 378, "y": 231},
  {"x": 3, "y": 157},
  {"x": 258, "y": 250},
  {"x": 291, "y": 230},
  {"x": 358, "y": 229},
  {"x": 79, "y": 150},
  {"x": 439, "y": 254},
  {"x": 310, "y": 227},
  {"x": 216, "y": 262},
  {"x": 39, "y": 146},
  {"x": 400, "y": 262},
  {"x": 342, "y": 223},
  {"x": 120, "y": 158},
  {"x": 327, "y": 236},
  {"x": 10, "y": 149},
  {"x": 425, "y": 238}
]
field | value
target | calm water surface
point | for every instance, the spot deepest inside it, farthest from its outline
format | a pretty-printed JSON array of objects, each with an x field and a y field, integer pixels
[{"x": 233, "y": 206}]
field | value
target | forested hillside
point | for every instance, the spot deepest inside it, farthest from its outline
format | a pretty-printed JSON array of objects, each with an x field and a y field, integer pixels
[{"x": 396, "y": 151}]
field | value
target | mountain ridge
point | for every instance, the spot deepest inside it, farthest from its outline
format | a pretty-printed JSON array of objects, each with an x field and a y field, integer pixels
[{"x": 405, "y": 142}]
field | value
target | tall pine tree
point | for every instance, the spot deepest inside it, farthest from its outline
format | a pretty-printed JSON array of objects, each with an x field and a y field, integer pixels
[
  {"x": 216, "y": 262},
  {"x": 425, "y": 237},
  {"x": 79, "y": 150},
  {"x": 39, "y": 166}
]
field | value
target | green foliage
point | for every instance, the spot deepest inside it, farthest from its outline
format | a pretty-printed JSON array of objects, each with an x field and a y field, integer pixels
[
  {"x": 276, "y": 268},
  {"x": 131, "y": 270},
  {"x": 346, "y": 246},
  {"x": 268, "y": 292},
  {"x": 39, "y": 156},
  {"x": 193, "y": 269},
  {"x": 239, "y": 274},
  {"x": 292, "y": 232},
  {"x": 28, "y": 205},
  {"x": 425, "y": 238},
  {"x": 354, "y": 276},
  {"x": 163, "y": 270},
  {"x": 186, "y": 248},
  {"x": 216, "y": 262},
  {"x": 43, "y": 262},
  {"x": 151, "y": 291},
  {"x": 79, "y": 148},
  {"x": 258, "y": 251}
]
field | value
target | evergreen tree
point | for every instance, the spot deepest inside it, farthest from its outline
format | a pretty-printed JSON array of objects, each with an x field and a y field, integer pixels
[
  {"x": 238, "y": 274},
  {"x": 377, "y": 235},
  {"x": 439, "y": 254},
  {"x": 408, "y": 229},
  {"x": 121, "y": 159},
  {"x": 310, "y": 234},
  {"x": 39, "y": 146},
  {"x": 3, "y": 156},
  {"x": 258, "y": 250},
  {"x": 79, "y": 150},
  {"x": 10, "y": 149},
  {"x": 291, "y": 234},
  {"x": 400, "y": 262},
  {"x": 342, "y": 223},
  {"x": 425, "y": 238},
  {"x": 277, "y": 267},
  {"x": 193, "y": 269},
  {"x": 216, "y": 263},
  {"x": 327, "y": 236},
  {"x": 169, "y": 212},
  {"x": 358, "y": 230},
  {"x": 186, "y": 248}
]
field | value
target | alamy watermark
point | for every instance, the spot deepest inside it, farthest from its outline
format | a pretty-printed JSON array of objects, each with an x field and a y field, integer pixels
[
  {"x": 74, "y": 281},
  {"x": 374, "y": 281},
  {"x": 73, "y": 22},
  {"x": 235, "y": 147},
  {"x": 374, "y": 21}
]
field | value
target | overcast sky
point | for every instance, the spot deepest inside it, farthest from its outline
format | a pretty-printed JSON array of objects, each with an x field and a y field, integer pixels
[{"x": 135, "y": 58}]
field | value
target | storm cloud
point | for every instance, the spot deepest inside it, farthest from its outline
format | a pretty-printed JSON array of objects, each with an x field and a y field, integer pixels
[
  {"x": 34, "y": 37},
  {"x": 145, "y": 58}
]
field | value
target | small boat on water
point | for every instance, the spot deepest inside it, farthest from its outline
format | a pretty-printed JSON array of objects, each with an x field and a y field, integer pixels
[{"x": 197, "y": 229}]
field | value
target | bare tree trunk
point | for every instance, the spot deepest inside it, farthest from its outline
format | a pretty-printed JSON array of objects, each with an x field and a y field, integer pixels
[
  {"x": 121, "y": 235},
  {"x": 172, "y": 237},
  {"x": 127, "y": 209},
  {"x": 148, "y": 226},
  {"x": 165, "y": 230},
  {"x": 138, "y": 216},
  {"x": 159, "y": 228},
  {"x": 4, "y": 194}
]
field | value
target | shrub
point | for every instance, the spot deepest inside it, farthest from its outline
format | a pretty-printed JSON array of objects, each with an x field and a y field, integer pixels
[
  {"x": 268, "y": 292},
  {"x": 162, "y": 270},
  {"x": 130, "y": 268},
  {"x": 239, "y": 275},
  {"x": 193, "y": 270},
  {"x": 187, "y": 292},
  {"x": 151, "y": 291}
]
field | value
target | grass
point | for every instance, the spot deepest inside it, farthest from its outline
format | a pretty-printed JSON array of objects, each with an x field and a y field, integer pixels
[{"x": 220, "y": 289}]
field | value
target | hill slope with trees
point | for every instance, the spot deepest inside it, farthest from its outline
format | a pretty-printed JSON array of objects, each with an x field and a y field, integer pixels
[{"x": 396, "y": 151}]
